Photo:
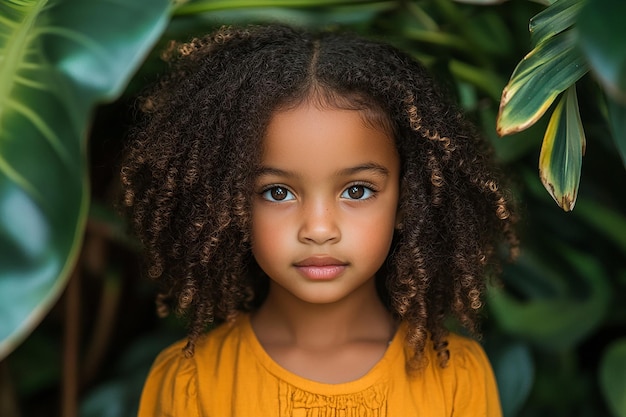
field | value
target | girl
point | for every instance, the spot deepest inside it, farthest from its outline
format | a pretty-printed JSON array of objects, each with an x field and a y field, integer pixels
[{"x": 316, "y": 196}]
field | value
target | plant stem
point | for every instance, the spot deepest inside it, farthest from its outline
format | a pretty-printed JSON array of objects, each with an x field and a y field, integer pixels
[
  {"x": 69, "y": 401},
  {"x": 8, "y": 400}
]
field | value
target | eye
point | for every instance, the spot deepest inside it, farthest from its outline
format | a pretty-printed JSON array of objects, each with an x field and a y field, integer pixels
[
  {"x": 357, "y": 192},
  {"x": 277, "y": 193}
]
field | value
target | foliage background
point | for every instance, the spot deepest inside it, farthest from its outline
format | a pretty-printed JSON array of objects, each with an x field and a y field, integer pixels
[{"x": 554, "y": 327}]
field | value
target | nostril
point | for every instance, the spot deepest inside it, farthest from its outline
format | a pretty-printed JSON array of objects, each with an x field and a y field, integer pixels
[{"x": 319, "y": 232}]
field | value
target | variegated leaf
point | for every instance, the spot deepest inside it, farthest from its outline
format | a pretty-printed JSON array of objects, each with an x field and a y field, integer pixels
[
  {"x": 560, "y": 160},
  {"x": 538, "y": 79}
]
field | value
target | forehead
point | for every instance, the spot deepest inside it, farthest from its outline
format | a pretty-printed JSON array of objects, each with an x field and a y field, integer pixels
[
  {"x": 325, "y": 139},
  {"x": 324, "y": 97}
]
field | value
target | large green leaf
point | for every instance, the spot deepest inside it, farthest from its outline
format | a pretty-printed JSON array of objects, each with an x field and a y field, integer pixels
[
  {"x": 613, "y": 377},
  {"x": 555, "y": 19},
  {"x": 554, "y": 309},
  {"x": 601, "y": 36},
  {"x": 560, "y": 160},
  {"x": 58, "y": 59},
  {"x": 549, "y": 69}
]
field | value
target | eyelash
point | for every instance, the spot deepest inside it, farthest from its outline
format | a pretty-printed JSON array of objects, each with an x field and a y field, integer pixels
[
  {"x": 370, "y": 191},
  {"x": 264, "y": 193},
  {"x": 367, "y": 186}
]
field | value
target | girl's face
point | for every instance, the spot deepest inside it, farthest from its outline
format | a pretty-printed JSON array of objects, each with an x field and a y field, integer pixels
[{"x": 325, "y": 202}]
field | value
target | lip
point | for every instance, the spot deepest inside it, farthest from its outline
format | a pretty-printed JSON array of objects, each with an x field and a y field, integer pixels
[{"x": 322, "y": 268}]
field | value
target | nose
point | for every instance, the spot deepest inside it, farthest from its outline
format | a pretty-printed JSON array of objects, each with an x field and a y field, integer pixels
[{"x": 319, "y": 224}]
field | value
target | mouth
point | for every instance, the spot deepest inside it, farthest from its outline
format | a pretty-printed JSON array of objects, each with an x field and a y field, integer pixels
[{"x": 321, "y": 268}]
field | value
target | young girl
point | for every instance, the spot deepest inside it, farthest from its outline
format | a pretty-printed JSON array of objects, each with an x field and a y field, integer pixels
[{"x": 318, "y": 198}]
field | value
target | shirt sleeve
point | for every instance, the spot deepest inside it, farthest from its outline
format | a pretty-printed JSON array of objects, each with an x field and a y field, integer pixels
[
  {"x": 476, "y": 392},
  {"x": 171, "y": 387}
]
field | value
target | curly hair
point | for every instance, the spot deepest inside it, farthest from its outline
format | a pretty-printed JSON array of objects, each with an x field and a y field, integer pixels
[{"x": 190, "y": 168}]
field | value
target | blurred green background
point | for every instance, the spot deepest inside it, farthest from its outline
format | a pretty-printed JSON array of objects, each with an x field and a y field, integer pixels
[{"x": 78, "y": 330}]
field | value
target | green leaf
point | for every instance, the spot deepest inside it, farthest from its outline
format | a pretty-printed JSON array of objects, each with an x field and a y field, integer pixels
[
  {"x": 344, "y": 16},
  {"x": 554, "y": 313},
  {"x": 203, "y": 6},
  {"x": 516, "y": 145},
  {"x": 549, "y": 69},
  {"x": 421, "y": 17},
  {"x": 514, "y": 370},
  {"x": 553, "y": 20},
  {"x": 562, "y": 150},
  {"x": 58, "y": 59},
  {"x": 609, "y": 222},
  {"x": 617, "y": 124},
  {"x": 119, "y": 395},
  {"x": 439, "y": 38},
  {"x": 481, "y": 2},
  {"x": 488, "y": 81},
  {"x": 613, "y": 377},
  {"x": 601, "y": 33},
  {"x": 488, "y": 35}
]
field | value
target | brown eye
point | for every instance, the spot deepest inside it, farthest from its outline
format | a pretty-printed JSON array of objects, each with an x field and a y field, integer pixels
[
  {"x": 356, "y": 191},
  {"x": 277, "y": 193}
]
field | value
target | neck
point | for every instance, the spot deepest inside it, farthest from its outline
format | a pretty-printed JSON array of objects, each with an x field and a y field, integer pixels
[{"x": 285, "y": 319}]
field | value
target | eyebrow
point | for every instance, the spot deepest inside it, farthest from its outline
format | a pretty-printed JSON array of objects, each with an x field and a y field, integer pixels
[
  {"x": 370, "y": 166},
  {"x": 270, "y": 171}
]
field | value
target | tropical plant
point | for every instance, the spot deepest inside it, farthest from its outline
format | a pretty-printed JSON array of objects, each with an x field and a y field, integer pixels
[
  {"x": 569, "y": 38},
  {"x": 553, "y": 333},
  {"x": 59, "y": 59}
]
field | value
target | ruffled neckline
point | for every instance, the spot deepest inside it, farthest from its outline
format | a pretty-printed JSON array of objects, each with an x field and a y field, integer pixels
[{"x": 380, "y": 371}]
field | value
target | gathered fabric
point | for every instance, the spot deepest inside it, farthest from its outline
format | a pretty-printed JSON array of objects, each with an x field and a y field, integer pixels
[{"x": 299, "y": 403}]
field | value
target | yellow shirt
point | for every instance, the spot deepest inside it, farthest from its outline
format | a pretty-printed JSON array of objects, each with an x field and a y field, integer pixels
[{"x": 231, "y": 375}]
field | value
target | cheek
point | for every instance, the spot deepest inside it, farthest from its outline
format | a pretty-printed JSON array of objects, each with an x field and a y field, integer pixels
[
  {"x": 267, "y": 234},
  {"x": 373, "y": 234}
]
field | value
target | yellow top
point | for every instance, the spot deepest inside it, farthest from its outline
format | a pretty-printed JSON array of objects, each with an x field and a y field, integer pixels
[{"x": 231, "y": 375}]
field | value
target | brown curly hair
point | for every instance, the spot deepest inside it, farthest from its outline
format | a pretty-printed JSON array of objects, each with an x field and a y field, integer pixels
[{"x": 190, "y": 168}]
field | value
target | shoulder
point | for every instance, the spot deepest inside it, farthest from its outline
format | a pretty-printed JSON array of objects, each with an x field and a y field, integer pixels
[
  {"x": 468, "y": 354},
  {"x": 468, "y": 361},
  {"x": 207, "y": 346},
  {"x": 171, "y": 386},
  {"x": 470, "y": 378},
  {"x": 213, "y": 346},
  {"x": 173, "y": 383},
  {"x": 465, "y": 387}
]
